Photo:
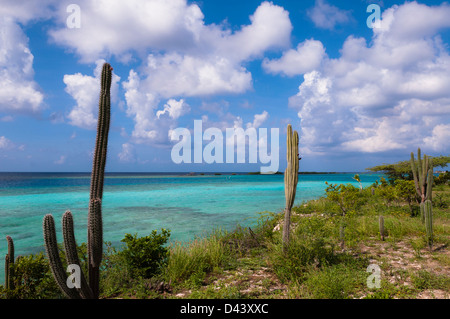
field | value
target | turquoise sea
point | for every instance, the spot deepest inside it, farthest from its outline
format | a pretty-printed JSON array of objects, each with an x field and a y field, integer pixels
[{"x": 138, "y": 203}]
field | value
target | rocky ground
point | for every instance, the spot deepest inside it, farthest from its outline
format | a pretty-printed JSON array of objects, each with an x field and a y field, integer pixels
[{"x": 400, "y": 265}]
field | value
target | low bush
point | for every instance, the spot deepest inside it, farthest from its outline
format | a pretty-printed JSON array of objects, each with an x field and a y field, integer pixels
[
  {"x": 443, "y": 178},
  {"x": 146, "y": 255},
  {"x": 32, "y": 279}
]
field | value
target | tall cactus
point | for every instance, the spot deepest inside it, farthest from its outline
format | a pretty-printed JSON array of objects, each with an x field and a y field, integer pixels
[
  {"x": 423, "y": 179},
  {"x": 428, "y": 210},
  {"x": 95, "y": 228},
  {"x": 56, "y": 265},
  {"x": 9, "y": 264},
  {"x": 381, "y": 226},
  {"x": 290, "y": 179},
  {"x": 428, "y": 207}
]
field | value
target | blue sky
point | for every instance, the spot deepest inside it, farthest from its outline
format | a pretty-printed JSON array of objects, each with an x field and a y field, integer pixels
[{"x": 358, "y": 96}]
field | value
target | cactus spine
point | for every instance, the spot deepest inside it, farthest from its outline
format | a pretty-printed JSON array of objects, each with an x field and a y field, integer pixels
[
  {"x": 95, "y": 228},
  {"x": 290, "y": 179},
  {"x": 9, "y": 264}
]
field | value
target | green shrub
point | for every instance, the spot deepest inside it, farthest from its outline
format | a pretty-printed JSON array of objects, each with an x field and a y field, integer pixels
[
  {"x": 348, "y": 197},
  {"x": 115, "y": 273},
  {"x": 443, "y": 178},
  {"x": 32, "y": 279},
  {"x": 406, "y": 191},
  {"x": 292, "y": 263},
  {"x": 144, "y": 256},
  {"x": 387, "y": 193},
  {"x": 440, "y": 200},
  {"x": 266, "y": 221}
]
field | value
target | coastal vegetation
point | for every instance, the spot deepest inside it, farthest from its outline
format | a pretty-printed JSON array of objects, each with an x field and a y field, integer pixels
[
  {"x": 333, "y": 240},
  {"x": 323, "y": 248},
  {"x": 84, "y": 289},
  {"x": 402, "y": 170}
]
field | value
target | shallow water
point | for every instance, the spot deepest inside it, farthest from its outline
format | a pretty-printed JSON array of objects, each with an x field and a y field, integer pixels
[{"x": 139, "y": 203}]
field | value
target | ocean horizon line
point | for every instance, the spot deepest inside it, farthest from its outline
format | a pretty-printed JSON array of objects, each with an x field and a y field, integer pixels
[{"x": 185, "y": 172}]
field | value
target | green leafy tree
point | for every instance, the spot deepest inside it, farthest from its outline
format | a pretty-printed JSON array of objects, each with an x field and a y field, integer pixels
[
  {"x": 443, "y": 178},
  {"x": 402, "y": 169},
  {"x": 406, "y": 191},
  {"x": 348, "y": 197},
  {"x": 358, "y": 179},
  {"x": 387, "y": 192}
]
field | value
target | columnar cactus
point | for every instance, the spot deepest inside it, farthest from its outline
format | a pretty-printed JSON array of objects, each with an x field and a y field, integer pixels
[
  {"x": 56, "y": 265},
  {"x": 381, "y": 226},
  {"x": 428, "y": 207},
  {"x": 95, "y": 228},
  {"x": 9, "y": 264},
  {"x": 423, "y": 179},
  {"x": 428, "y": 210},
  {"x": 290, "y": 179}
]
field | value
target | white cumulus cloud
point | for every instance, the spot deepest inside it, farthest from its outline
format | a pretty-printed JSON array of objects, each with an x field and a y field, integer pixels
[
  {"x": 174, "y": 109},
  {"x": 307, "y": 57},
  {"x": 181, "y": 55},
  {"x": 440, "y": 137},
  {"x": 391, "y": 94},
  {"x": 211, "y": 63},
  {"x": 85, "y": 90},
  {"x": 5, "y": 143},
  {"x": 18, "y": 90},
  {"x": 128, "y": 153},
  {"x": 174, "y": 74},
  {"x": 327, "y": 16},
  {"x": 258, "y": 119}
]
